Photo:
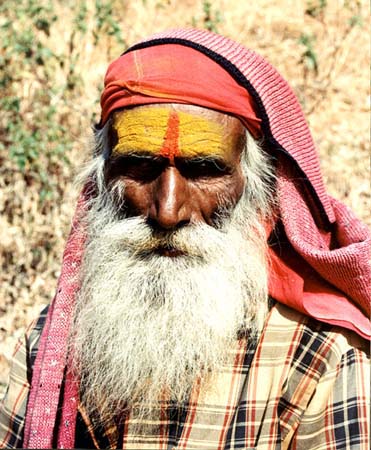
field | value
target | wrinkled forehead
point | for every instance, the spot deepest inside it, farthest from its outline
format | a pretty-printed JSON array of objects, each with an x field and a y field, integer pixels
[{"x": 176, "y": 130}]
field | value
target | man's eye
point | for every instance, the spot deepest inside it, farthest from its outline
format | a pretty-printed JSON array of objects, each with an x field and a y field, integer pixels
[
  {"x": 140, "y": 168},
  {"x": 202, "y": 168}
]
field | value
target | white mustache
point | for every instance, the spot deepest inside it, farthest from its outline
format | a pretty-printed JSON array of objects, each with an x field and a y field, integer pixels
[{"x": 195, "y": 240}]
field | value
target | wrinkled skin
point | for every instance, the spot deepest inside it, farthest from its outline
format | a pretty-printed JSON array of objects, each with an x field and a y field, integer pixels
[{"x": 178, "y": 186}]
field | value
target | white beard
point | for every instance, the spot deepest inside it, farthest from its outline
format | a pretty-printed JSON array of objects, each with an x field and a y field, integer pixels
[{"x": 147, "y": 326}]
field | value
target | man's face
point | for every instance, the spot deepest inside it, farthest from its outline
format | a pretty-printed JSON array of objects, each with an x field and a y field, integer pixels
[{"x": 179, "y": 163}]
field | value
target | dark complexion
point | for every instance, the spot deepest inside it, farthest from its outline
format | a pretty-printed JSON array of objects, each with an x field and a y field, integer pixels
[{"x": 178, "y": 162}]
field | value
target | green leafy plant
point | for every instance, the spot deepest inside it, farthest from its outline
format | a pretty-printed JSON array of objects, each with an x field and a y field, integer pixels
[
  {"x": 105, "y": 22},
  {"x": 318, "y": 73},
  {"x": 38, "y": 82},
  {"x": 210, "y": 19},
  {"x": 309, "y": 57},
  {"x": 30, "y": 130}
]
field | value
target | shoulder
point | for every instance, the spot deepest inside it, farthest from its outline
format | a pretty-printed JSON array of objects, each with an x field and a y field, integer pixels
[
  {"x": 299, "y": 350},
  {"x": 310, "y": 359},
  {"x": 324, "y": 385},
  {"x": 322, "y": 357},
  {"x": 13, "y": 405},
  {"x": 304, "y": 335}
]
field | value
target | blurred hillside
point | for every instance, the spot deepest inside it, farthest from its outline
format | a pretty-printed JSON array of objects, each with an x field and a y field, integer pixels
[{"x": 53, "y": 56}]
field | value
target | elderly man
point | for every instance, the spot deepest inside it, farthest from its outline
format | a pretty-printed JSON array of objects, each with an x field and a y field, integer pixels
[{"x": 212, "y": 294}]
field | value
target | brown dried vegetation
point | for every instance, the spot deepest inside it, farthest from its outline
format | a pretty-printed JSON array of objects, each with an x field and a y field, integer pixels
[{"x": 53, "y": 56}]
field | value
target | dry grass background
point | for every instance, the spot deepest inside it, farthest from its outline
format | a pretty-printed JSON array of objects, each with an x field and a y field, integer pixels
[{"x": 58, "y": 101}]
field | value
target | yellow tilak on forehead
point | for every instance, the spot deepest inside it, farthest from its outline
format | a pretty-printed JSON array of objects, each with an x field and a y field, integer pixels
[
  {"x": 200, "y": 136},
  {"x": 140, "y": 129},
  {"x": 169, "y": 133}
]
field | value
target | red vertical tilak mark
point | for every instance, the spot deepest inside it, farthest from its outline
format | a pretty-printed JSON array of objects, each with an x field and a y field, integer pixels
[{"x": 170, "y": 147}]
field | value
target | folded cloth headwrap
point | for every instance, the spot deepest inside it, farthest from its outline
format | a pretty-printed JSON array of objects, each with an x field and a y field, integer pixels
[
  {"x": 175, "y": 74},
  {"x": 322, "y": 265}
]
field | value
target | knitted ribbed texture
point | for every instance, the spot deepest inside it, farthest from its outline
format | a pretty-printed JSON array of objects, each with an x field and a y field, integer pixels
[
  {"x": 342, "y": 257},
  {"x": 347, "y": 265},
  {"x": 50, "y": 363}
]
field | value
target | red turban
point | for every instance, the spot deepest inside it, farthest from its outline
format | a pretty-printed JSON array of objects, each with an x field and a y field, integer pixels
[{"x": 175, "y": 74}]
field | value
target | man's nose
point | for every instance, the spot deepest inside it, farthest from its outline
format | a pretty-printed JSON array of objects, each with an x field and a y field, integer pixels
[{"x": 171, "y": 206}]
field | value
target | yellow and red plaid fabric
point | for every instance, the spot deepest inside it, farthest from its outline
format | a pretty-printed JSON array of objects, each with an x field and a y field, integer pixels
[{"x": 304, "y": 385}]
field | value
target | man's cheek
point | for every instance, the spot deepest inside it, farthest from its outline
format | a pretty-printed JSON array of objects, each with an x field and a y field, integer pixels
[
  {"x": 227, "y": 191},
  {"x": 137, "y": 197}
]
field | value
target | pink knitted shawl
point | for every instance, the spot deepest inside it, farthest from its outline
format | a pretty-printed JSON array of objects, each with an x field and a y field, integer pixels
[{"x": 328, "y": 254}]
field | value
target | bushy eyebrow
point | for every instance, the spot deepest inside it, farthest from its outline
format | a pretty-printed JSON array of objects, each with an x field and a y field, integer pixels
[
  {"x": 136, "y": 154},
  {"x": 200, "y": 158}
]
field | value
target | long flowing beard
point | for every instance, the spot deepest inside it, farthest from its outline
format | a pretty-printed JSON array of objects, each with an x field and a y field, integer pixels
[{"x": 148, "y": 326}]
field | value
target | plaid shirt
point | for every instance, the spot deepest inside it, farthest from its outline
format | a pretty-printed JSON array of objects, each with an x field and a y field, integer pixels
[{"x": 304, "y": 385}]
